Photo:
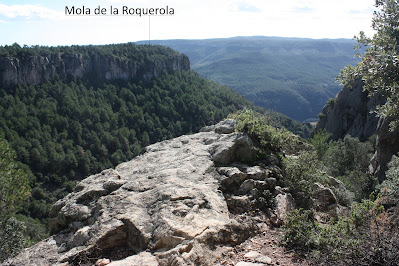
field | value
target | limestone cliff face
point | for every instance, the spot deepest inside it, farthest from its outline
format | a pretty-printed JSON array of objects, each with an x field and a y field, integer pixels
[
  {"x": 36, "y": 69},
  {"x": 349, "y": 113},
  {"x": 387, "y": 144}
]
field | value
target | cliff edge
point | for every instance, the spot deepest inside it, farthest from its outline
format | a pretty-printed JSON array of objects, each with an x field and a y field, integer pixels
[{"x": 34, "y": 70}]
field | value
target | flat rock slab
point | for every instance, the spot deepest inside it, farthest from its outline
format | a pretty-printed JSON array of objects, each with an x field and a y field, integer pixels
[{"x": 258, "y": 257}]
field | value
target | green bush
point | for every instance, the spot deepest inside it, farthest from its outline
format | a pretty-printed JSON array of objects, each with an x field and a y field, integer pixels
[
  {"x": 299, "y": 229},
  {"x": 334, "y": 242},
  {"x": 348, "y": 160},
  {"x": 12, "y": 238},
  {"x": 331, "y": 101},
  {"x": 301, "y": 172},
  {"x": 320, "y": 142},
  {"x": 390, "y": 186},
  {"x": 260, "y": 128},
  {"x": 266, "y": 200}
]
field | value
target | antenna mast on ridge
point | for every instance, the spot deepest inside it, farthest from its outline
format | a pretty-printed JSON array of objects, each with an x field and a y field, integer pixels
[{"x": 149, "y": 29}]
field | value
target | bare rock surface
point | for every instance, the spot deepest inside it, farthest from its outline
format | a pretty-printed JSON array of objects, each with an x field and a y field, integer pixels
[
  {"x": 244, "y": 263},
  {"x": 323, "y": 197},
  {"x": 141, "y": 259},
  {"x": 350, "y": 113},
  {"x": 387, "y": 145},
  {"x": 284, "y": 204},
  {"x": 168, "y": 206},
  {"x": 35, "y": 70}
]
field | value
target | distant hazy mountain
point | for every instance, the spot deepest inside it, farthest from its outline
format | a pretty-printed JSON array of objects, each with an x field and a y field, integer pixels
[{"x": 293, "y": 76}]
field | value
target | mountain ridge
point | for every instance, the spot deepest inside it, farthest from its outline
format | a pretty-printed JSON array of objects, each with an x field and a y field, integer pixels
[{"x": 294, "y": 76}]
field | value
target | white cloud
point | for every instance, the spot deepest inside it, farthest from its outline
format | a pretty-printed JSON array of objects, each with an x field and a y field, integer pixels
[
  {"x": 28, "y": 12},
  {"x": 244, "y": 6}
]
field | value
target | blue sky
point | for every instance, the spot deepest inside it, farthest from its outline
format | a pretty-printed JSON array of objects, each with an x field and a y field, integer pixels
[{"x": 44, "y": 22}]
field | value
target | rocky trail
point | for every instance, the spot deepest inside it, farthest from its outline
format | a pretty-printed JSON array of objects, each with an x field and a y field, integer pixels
[{"x": 262, "y": 249}]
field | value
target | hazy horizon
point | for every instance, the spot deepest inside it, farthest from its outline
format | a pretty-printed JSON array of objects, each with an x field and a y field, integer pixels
[{"x": 44, "y": 22}]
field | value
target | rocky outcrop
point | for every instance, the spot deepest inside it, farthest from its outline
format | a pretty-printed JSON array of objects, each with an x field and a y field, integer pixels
[
  {"x": 331, "y": 201},
  {"x": 179, "y": 203},
  {"x": 323, "y": 197},
  {"x": 350, "y": 113},
  {"x": 387, "y": 145},
  {"x": 34, "y": 70}
]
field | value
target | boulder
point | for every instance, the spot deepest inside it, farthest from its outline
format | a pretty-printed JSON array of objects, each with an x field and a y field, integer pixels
[
  {"x": 258, "y": 257},
  {"x": 344, "y": 196},
  {"x": 284, "y": 204},
  {"x": 224, "y": 127},
  {"x": 323, "y": 197},
  {"x": 141, "y": 259}
]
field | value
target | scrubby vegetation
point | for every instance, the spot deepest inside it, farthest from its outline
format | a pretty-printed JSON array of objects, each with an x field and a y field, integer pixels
[
  {"x": 271, "y": 136},
  {"x": 368, "y": 235},
  {"x": 359, "y": 234},
  {"x": 390, "y": 186},
  {"x": 341, "y": 239}
]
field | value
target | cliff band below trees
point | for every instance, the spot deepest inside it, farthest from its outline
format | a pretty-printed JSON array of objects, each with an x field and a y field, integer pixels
[
  {"x": 178, "y": 203},
  {"x": 34, "y": 70}
]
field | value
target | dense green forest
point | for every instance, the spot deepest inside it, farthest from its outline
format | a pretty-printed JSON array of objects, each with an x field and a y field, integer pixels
[
  {"x": 293, "y": 76},
  {"x": 141, "y": 54}
]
